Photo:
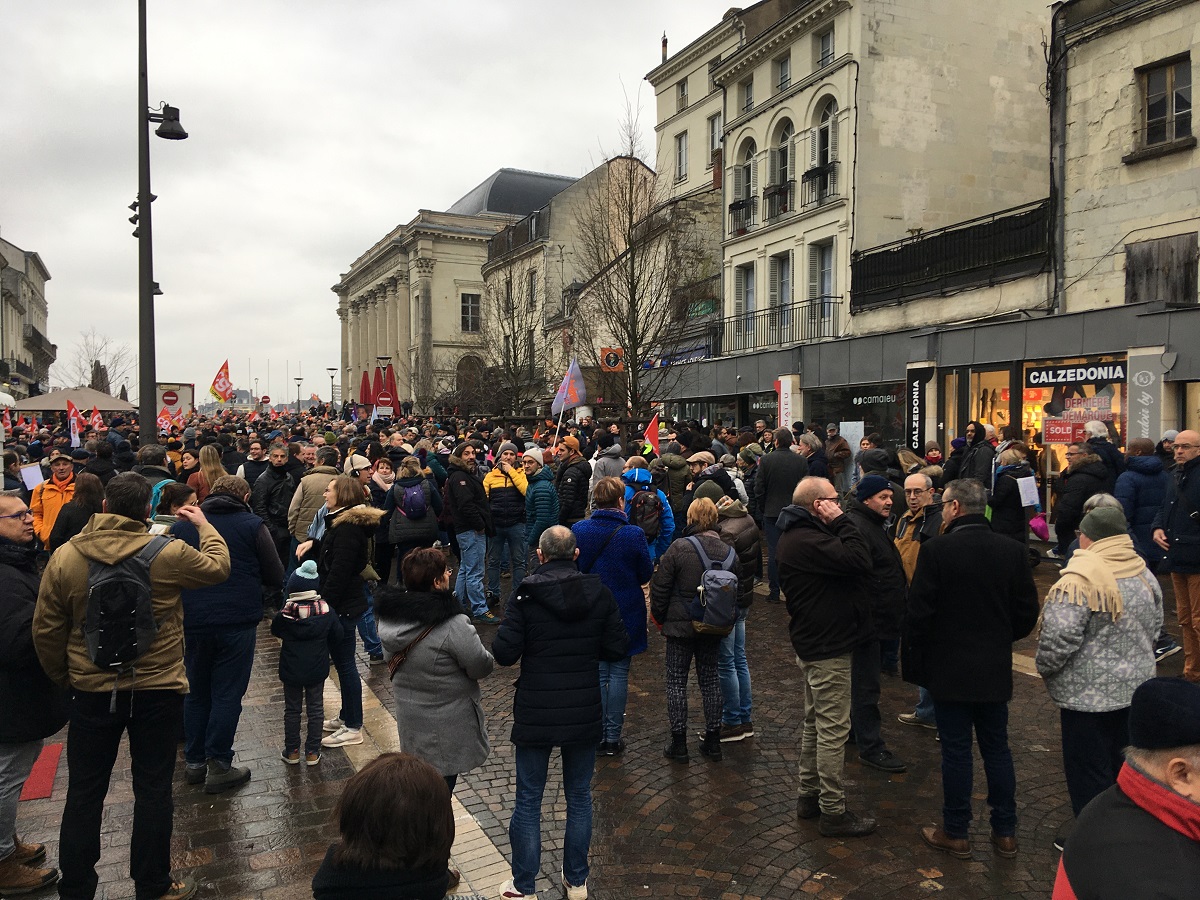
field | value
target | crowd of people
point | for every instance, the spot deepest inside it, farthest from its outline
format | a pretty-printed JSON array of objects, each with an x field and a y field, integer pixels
[{"x": 572, "y": 545}]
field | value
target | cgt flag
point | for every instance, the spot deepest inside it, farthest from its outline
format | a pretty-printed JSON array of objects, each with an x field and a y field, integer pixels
[
  {"x": 164, "y": 420},
  {"x": 652, "y": 433},
  {"x": 571, "y": 392},
  {"x": 222, "y": 387},
  {"x": 97, "y": 420}
]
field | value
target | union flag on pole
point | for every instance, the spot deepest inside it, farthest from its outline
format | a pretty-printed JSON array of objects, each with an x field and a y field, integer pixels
[
  {"x": 164, "y": 419},
  {"x": 222, "y": 387},
  {"x": 652, "y": 432},
  {"x": 96, "y": 420},
  {"x": 7, "y": 421},
  {"x": 571, "y": 393}
]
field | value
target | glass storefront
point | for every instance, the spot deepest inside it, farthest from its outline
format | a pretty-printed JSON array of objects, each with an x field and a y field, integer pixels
[
  {"x": 1059, "y": 396},
  {"x": 879, "y": 407},
  {"x": 1191, "y": 407}
]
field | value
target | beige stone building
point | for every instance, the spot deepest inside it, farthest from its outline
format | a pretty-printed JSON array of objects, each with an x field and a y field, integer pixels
[
  {"x": 26, "y": 353},
  {"x": 415, "y": 297}
]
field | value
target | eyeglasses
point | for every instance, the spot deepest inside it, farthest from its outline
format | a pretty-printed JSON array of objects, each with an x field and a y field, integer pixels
[
  {"x": 19, "y": 515},
  {"x": 1183, "y": 446},
  {"x": 916, "y": 492}
]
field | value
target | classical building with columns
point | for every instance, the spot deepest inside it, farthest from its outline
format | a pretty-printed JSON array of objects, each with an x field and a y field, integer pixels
[{"x": 414, "y": 299}]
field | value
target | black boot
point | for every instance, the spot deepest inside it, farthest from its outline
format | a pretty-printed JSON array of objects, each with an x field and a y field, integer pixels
[
  {"x": 677, "y": 749},
  {"x": 711, "y": 745}
]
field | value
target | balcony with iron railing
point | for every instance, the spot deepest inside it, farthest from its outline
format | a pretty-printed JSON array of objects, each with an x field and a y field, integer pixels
[
  {"x": 780, "y": 199},
  {"x": 802, "y": 322},
  {"x": 819, "y": 185},
  {"x": 36, "y": 342},
  {"x": 741, "y": 215},
  {"x": 1005, "y": 245}
]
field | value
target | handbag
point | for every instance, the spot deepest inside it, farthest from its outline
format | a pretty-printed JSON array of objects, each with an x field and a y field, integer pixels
[
  {"x": 1039, "y": 527},
  {"x": 398, "y": 659}
]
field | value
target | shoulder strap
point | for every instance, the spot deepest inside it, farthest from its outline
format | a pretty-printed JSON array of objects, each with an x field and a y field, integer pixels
[
  {"x": 704, "y": 557},
  {"x": 600, "y": 552},
  {"x": 156, "y": 546},
  {"x": 729, "y": 560},
  {"x": 398, "y": 659}
]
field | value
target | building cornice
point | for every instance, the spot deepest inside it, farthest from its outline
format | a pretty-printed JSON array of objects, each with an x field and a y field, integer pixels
[
  {"x": 797, "y": 87},
  {"x": 775, "y": 38},
  {"x": 697, "y": 50}
]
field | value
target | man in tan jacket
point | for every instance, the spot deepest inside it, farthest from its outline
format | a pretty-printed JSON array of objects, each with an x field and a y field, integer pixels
[{"x": 103, "y": 705}]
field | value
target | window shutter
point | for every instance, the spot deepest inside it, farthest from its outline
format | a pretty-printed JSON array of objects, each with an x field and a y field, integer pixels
[
  {"x": 814, "y": 140},
  {"x": 833, "y": 273},
  {"x": 791, "y": 152},
  {"x": 773, "y": 282},
  {"x": 739, "y": 291},
  {"x": 754, "y": 177},
  {"x": 814, "y": 272},
  {"x": 737, "y": 184},
  {"x": 791, "y": 278},
  {"x": 774, "y": 162},
  {"x": 833, "y": 137}
]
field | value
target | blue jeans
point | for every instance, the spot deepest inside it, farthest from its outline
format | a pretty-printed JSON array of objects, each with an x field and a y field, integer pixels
[
  {"x": 773, "y": 534},
  {"x": 513, "y": 538},
  {"x": 218, "y": 669},
  {"x": 924, "y": 708},
  {"x": 525, "y": 828},
  {"x": 990, "y": 721},
  {"x": 734, "y": 672},
  {"x": 614, "y": 691},
  {"x": 366, "y": 626},
  {"x": 468, "y": 586},
  {"x": 342, "y": 654}
]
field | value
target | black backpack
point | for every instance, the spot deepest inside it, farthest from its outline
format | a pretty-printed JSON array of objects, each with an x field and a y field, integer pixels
[
  {"x": 119, "y": 626},
  {"x": 645, "y": 511}
]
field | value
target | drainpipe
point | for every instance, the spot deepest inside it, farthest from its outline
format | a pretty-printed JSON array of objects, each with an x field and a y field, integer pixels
[{"x": 1057, "y": 90}]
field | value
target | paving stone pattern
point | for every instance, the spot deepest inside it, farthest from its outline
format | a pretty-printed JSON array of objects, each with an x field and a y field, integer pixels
[{"x": 715, "y": 830}]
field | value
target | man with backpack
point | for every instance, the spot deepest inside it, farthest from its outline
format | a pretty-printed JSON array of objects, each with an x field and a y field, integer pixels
[
  {"x": 648, "y": 507},
  {"x": 114, "y": 566}
]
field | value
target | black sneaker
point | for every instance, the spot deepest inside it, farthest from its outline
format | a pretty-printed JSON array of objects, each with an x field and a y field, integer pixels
[
  {"x": 195, "y": 774},
  {"x": 846, "y": 824},
  {"x": 808, "y": 807},
  {"x": 884, "y": 761},
  {"x": 611, "y": 748}
]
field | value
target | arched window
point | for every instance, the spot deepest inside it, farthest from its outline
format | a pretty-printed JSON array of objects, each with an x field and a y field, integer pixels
[
  {"x": 827, "y": 135},
  {"x": 779, "y": 195},
  {"x": 820, "y": 178},
  {"x": 745, "y": 189},
  {"x": 468, "y": 375}
]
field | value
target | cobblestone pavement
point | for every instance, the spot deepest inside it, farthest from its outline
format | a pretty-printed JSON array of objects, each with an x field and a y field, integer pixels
[{"x": 716, "y": 830}]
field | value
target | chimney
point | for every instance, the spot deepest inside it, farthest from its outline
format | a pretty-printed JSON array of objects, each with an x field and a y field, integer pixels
[{"x": 664, "y": 59}]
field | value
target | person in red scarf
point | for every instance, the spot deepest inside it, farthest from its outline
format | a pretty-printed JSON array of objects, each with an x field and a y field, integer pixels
[{"x": 1141, "y": 837}]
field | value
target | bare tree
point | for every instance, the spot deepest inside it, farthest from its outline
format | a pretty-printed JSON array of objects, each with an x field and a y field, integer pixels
[
  {"x": 78, "y": 368},
  {"x": 512, "y": 345},
  {"x": 634, "y": 248}
]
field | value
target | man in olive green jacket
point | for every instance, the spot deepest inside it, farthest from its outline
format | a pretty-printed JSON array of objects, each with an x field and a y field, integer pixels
[{"x": 103, "y": 705}]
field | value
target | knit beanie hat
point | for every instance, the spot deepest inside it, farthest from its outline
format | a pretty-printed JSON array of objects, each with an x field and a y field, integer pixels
[
  {"x": 1165, "y": 714},
  {"x": 303, "y": 582},
  {"x": 1104, "y": 522},
  {"x": 870, "y": 486},
  {"x": 535, "y": 454},
  {"x": 710, "y": 489},
  {"x": 508, "y": 445}
]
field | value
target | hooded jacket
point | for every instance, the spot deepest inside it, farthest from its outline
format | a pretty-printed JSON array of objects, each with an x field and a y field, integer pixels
[
  {"x": 678, "y": 477},
  {"x": 1112, "y": 458},
  {"x": 608, "y": 463},
  {"x": 45, "y": 502},
  {"x": 638, "y": 479},
  {"x": 32, "y": 707},
  {"x": 342, "y": 553},
  {"x": 675, "y": 582},
  {"x": 237, "y": 601},
  {"x": 439, "y": 713},
  {"x": 469, "y": 508},
  {"x": 737, "y": 529},
  {"x": 506, "y": 495},
  {"x": 1179, "y": 517},
  {"x": 62, "y": 603},
  {"x": 616, "y": 551},
  {"x": 1008, "y": 514},
  {"x": 886, "y": 584},
  {"x": 559, "y": 625},
  {"x": 977, "y": 458},
  {"x": 304, "y": 654},
  {"x": 307, "y": 499},
  {"x": 1087, "y": 475},
  {"x": 778, "y": 475},
  {"x": 822, "y": 572},
  {"x": 1142, "y": 489},
  {"x": 541, "y": 505},
  {"x": 572, "y": 481},
  {"x": 402, "y": 529}
]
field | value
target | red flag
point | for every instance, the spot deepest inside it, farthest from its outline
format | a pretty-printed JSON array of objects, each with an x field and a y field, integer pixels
[
  {"x": 253, "y": 417},
  {"x": 74, "y": 416},
  {"x": 164, "y": 419},
  {"x": 376, "y": 386},
  {"x": 389, "y": 382},
  {"x": 97, "y": 420},
  {"x": 652, "y": 432},
  {"x": 7, "y": 421},
  {"x": 366, "y": 396},
  {"x": 222, "y": 387}
]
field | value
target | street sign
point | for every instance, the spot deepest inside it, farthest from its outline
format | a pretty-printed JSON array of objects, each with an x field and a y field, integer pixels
[
  {"x": 384, "y": 399},
  {"x": 170, "y": 398},
  {"x": 266, "y": 399}
]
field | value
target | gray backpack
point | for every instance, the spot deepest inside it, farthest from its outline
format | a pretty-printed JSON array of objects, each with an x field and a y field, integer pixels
[
  {"x": 714, "y": 608},
  {"x": 119, "y": 626}
]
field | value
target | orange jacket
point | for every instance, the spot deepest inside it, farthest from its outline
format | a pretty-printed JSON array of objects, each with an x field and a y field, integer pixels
[{"x": 48, "y": 498}]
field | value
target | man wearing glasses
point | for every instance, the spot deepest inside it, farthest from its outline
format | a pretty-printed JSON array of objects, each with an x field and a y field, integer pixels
[
  {"x": 1177, "y": 531},
  {"x": 920, "y": 522},
  {"x": 34, "y": 707}
]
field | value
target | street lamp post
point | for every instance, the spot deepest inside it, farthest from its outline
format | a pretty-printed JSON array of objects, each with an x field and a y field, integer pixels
[
  {"x": 332, "y": 371},
  {"x": 299, "y": 381},
  {"x": 171, "y": 130}
]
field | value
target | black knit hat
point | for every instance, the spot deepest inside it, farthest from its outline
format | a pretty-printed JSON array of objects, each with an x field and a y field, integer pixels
[{"x": 1165, "y": 713}]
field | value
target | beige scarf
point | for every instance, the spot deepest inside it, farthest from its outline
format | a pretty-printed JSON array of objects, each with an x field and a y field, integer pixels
[{"x": 1090, "y": 578}]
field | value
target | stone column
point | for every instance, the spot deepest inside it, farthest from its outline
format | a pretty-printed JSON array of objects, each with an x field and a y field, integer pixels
[
  {"x": 360, "y": 361},
  {"x": 389, "y": 320},
  {"x": 343, "y": 317},
  {"x": 402, "y": 336},
  {"x": 423, "y": 375},
  {"x": 372, "y": 334},
  {"x": 352, "y": 336}
]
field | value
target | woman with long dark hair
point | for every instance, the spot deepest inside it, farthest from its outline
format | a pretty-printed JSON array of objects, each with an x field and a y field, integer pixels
[{"x": 88, "y": 499}]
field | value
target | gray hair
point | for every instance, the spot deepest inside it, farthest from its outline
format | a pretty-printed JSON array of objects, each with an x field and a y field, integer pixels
[
  {"x": 557, "y": 542},
  {"x": 810, "y": 440},
  {"x": 1101, "y": 501},
  {"x": 327, "y": 456},
  {"x": 970, "y": 494},
  {"x": 1095, "y": 429}
]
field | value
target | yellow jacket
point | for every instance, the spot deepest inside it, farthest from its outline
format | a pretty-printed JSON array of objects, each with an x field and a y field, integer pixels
[{"x": 45, "y": 502}]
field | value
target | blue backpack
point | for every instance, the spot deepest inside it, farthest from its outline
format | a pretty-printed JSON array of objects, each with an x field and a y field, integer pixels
[{"x": 714, "y": 607}]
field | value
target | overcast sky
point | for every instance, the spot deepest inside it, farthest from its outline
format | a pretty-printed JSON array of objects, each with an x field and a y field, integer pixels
[{"x": 316, "y": 126}]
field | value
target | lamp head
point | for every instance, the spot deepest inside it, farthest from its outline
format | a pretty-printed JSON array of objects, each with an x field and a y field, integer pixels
[{"x": 170, "y": 127}]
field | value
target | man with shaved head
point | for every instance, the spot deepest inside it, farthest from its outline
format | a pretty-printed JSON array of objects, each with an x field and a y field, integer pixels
[{"x": 1177, "y": 531}]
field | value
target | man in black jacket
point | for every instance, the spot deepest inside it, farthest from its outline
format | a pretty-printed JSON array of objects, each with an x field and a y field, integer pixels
[
  {"x": 971, "y": 597},
  {"x": 33, "y": 707},
  {"x": 823, "y": 564},
  {"x": 271, "y": 497},
  {"x": 886, "y": 586},
  {"x": 778, "y": 474},
  {"x": 472, "y": 522},
  {"x": 1177, "y": 531},
  {"x": 573, "y": 477},
  {"x": 559, "y": 625}
]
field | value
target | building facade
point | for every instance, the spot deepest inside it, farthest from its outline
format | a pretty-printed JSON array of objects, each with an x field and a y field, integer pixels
[
  {"x": 26, "y": 353},
  {"x": 414, "y": 299}
]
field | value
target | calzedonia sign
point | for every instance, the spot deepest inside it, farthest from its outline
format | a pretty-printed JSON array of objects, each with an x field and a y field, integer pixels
[
  {"x": 915, "y": 407},
  {"x": 1078, "y": 373}
]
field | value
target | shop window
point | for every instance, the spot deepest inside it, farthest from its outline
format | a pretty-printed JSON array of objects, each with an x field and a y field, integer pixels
[{"x": 1162, "y": 270}]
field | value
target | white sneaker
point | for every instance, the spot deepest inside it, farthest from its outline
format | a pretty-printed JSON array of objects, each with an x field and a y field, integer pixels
[
  {"x": 573, "y": 892},
  {"x": 331, "y": 725},
  {"x": 509, "y": 892},
  {"x": 342, "y": 737}
]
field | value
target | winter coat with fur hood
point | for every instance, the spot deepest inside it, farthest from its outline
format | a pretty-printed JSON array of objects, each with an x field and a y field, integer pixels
[{"x": 342, "y": 553}]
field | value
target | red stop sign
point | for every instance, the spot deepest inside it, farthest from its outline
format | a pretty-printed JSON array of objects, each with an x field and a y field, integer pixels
[
  {"x": 266, "y": 399},
  {"x": 384, "y": 399},
  {"x": 170, "y": 398}
]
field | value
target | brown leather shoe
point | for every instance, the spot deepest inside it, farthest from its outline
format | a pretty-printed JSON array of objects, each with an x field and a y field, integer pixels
[
  {"x": 18, "y": 879},
  {"x": 936, "y": 838},
  {"x": 455, "y": 878},
  {"x": 1005, "y": 846},
  {"x": 27, "y": 854}
]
